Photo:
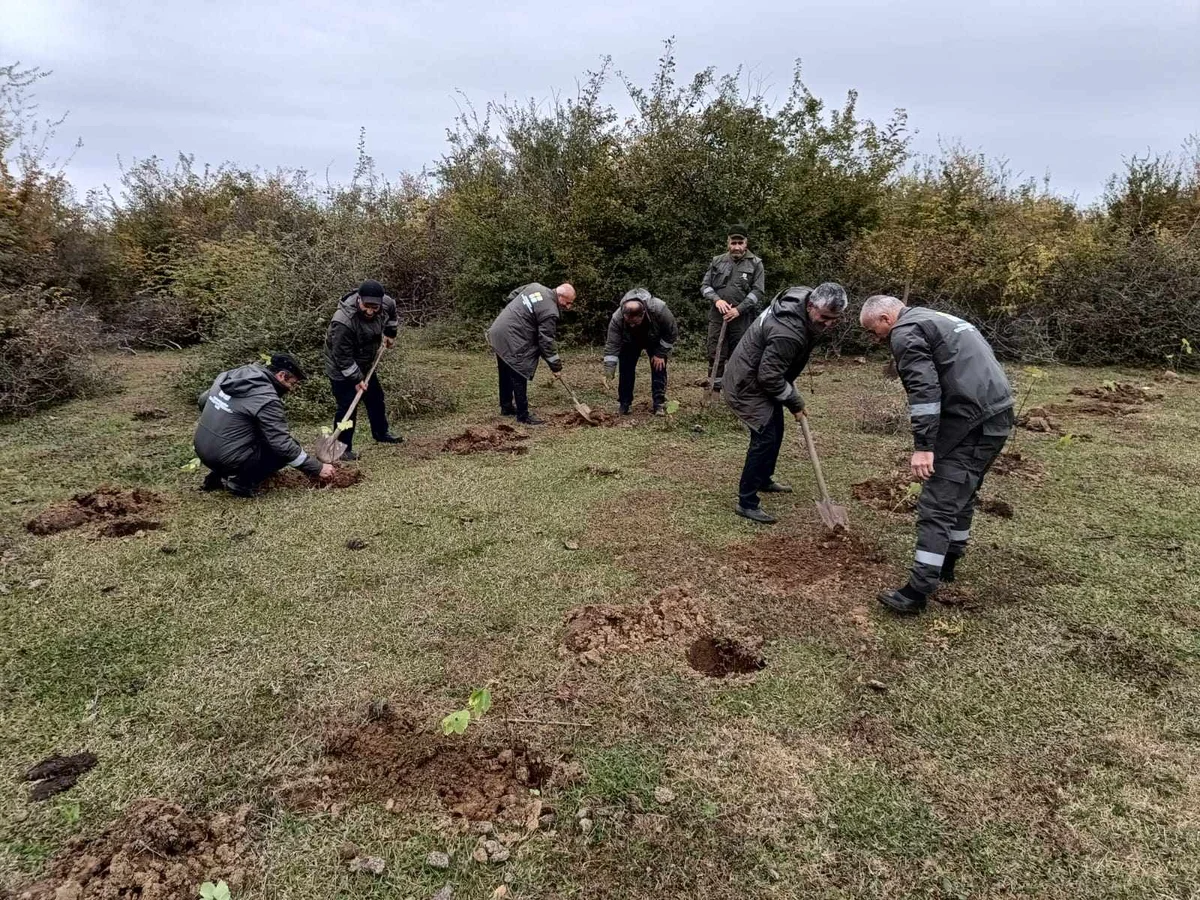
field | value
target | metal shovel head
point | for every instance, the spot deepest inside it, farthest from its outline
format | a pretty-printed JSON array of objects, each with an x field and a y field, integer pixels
[
  {"x": 585, "y": 411},
  {"x": 329, "y": 449},
  {"x": 833, "y": 516}
]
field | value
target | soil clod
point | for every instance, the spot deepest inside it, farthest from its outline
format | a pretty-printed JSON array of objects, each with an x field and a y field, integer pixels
[
  {"x": 156, "y": 849},
  {"x": 502, "y": 438},
  {"x": 718, "y": 657},
  {"x": 56, "y": 774},
  {"x": 148, "y": 413},
  {"x": 599, "y": 630},
  {"x": 1119, "y": 392},
  {"x": 290, "y": 480},
  {"x": 125, "y": 512},
  {"x": 894, "y": 492}
]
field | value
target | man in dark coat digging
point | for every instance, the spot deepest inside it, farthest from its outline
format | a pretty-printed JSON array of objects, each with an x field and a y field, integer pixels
[
  {"x": 642, "y": 324},
  {"x": 758, "y": 382},
  {"x": 734, "y": 286},
  {"x": 242, "y": 436},
  {"x": 960, "y": 403},
  {"x": 526, "y": 330},
  {"x": 364, "y": 319}
]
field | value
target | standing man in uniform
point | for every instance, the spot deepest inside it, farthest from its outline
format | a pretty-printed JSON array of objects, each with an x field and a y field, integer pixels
[
  {"x": 525, "y": 330},
  {"x": 364, "y": 319},
  {"x": 733, "y": 286},
  {"x": 960, "y": 404},
  {"x": 643, "y": 323},
  {"x": 759, "y": 386}
]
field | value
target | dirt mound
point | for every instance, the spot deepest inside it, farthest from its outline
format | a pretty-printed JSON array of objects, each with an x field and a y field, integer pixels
[
  {"x": 501, "y": 438},
  {"x": 1040, "y": 421},
  {"x": 293, "y": 480},
  {"x": 717, "y": 657},
  {"x": 599, "y": 630},
  {"x": 1119, "y": 392},
  {"x": 388, "y": 759},
  {"x": 1018, "y": 465},
  {"x": 156, "y": 850},
  {"x": 56, "y": 774},
  {"x": 148, "y": 413},
  {"x": 122, "y": 509},
  {"x": 894, "y": 492},
  {"x": 600, "y": 419},
  {"x": 994, "y": 506}
]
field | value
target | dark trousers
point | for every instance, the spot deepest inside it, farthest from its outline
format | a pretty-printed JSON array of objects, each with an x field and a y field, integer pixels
[
  {"x": 733, "y": 334},
  {"x": 253, "y": 471},
  {"x": 343, "y": 393},
  {"x": 514, "y": 390},
  {"x": 761, "y": 457},
  {"x": 947, "y": 502},
  {"x": 627, "y": 359}
]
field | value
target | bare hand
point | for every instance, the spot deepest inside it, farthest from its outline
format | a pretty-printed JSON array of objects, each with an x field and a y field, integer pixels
[
  {"x": 388, "y": 342},
  {"x": 723, "y": 308},
  {"x": 800, "y": 414},
  {"x": 326, "y": 472},
  {"x": 922, "y": 464},
  {"x": 657, "y": 363},
  {"x": 731, "y": 313},
  {"x": 361, "y": 386}
]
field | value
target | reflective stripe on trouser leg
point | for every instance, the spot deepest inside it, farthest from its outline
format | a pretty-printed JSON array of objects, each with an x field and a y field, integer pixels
[{"x": 943, "y": 498}]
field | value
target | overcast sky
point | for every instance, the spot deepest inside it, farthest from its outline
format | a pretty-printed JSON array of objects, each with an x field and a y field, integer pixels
[{"x": 1055, "y": 86}]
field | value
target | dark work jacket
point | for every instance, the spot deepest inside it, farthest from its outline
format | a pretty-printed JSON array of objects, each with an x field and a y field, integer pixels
[
  {"x": 242, "y": 415},
  {"x": 353, "y": 340},
  {"x": 953, "y": 380},
  {"x": 526, "y": 329},
  {"x": 659, "y": 330},
  {"x": 740, "y": 283},
  {"x": 768, "y": 358}
]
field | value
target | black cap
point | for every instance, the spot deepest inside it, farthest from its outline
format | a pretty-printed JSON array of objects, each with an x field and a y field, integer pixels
[
  {"x": 371, "y": 293},
  {"x": 284, "y": 362},
  {"x": 739, "y": 230}
]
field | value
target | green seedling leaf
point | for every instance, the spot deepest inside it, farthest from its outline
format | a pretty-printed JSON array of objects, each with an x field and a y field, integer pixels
[
  {"x": 218, "y": 891},
  {"x": 913, "y": 489},
  {"x": 1109, "y": 385},
  {"x": 672, "y": 407},
  {"x": 266, "y": 360},
  {"x": 1065, "y": 441},
  {"x": 480, "y": 701},
  {"x": 191, "y": 466},
  {"x": 456, "y": 722},
  {"x": 1034, "y": 372},
  {"x": 1186, "y": 346},
  {"x": 326, "y": 431}
]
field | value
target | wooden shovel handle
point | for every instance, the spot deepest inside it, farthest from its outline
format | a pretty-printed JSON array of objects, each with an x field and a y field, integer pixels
[
  {"x": 812, "y": 454},
  {"x": 358, "y": 394},
  {"x": 712, "y": 375}
]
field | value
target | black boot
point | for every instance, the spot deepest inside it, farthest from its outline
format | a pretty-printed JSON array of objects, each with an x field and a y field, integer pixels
[
  {"x": 755, "y": 514},
  {"x": 238, "y": 489},
  {"x": 905, "y": 601},
  {"x": 507, "y": 410},
  {"x": 530, "y": 419},
  {"x": 623, "y": 409},
  {"x": 213, "y": 481},
  {"x": 776, "y": 487},
  {"x": 948, "y": 566},
  {"x": 390, "y": 438}
]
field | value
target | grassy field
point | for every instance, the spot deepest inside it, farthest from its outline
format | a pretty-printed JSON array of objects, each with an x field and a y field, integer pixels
[{"x": 1036, "y": 735}]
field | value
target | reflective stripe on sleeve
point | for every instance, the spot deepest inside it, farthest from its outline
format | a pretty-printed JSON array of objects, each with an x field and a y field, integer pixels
[
  {"x": 925, "y": 409},
  {"x": 787, "y": 394},
  {"x": 552, "y": 359},
  {"x": 610, "y": 360},
  {"x": 349, "y": 373},
  {"x": 299, "y": 460},
  {"x": 666, "y": 345}
]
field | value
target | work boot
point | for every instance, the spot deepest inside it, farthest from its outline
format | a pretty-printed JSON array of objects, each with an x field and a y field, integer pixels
[
  {"x": 350, "y": 456},
  {"x": 948, "y": 566},
  {"x": 212, "y": 482},
  {"x": 623, "y": 409},
  {"x": 508, "y": 410},
  {"x": 660, "y": 409},
  {"x": 390, "y": 438},
  {"x": 530, "y": 419},
  {"x": 238, "y": 489},
  {"x": 905, "y": 601},
  {"x": 716, "y": 386},
  {"x": 776, "y": 487},
  {"x": 755, "y": 514}
]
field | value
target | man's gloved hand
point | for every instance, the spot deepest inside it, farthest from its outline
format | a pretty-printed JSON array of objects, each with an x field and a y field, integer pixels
[
  {"x": 610, "y": 372},
  {"x": 555, "y": 367}
]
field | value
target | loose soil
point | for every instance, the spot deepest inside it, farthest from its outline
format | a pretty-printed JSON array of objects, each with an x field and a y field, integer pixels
[
  {"x": 150, "y": 412},
  {"x": 292, "y": 480},
  {"x": 1040, "y": 421},
  {"x": 126, "y": 512},
  {"x": 389, "y": 759},
  {"x": 995, "y": 507},
  {"x": 1123, "y": 392},
  {"x": 570, "y": 420},
  {"x": 156, "y": 850},
  {"x": 56, "y": 774},
  {"x": 888, "y": 493},
  {"x": 1018, "y": 465},
  {"x": 718, "y": 657},
  {"x": 1094, "y": 408},
  {"x": 502, "y": 438},
  {"x": 596, "y": 631},
  {"x": 1122, "y": 659}
]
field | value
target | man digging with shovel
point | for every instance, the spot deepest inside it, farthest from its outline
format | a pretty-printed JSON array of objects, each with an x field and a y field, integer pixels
[
  {"x": 643, "y": 323},
  {"x": 243, "y": 433},
  {"x": 525, "y": 330},
  {"x": 758, "y": 382},
  {"x": 365, "y": 319},
  {"x": 960, "y": 403}
]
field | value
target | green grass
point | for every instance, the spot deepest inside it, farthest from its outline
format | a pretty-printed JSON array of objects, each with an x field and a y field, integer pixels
[{"x": 1041, "y": 740}]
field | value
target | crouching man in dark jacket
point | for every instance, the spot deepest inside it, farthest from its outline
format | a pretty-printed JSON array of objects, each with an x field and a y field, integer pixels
[
  {"x": 526, "y": 330},
  {"x": 960, "y": 403},
  {"x": 243, "y": 433},
  {"x": 642, "y": 324},
  {"x": 363, "y": 320},
  {"x": 758, "y": 381}
]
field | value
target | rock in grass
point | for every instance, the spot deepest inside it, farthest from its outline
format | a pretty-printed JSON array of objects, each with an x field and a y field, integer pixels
[
  {"x": 368, "y": 865},
  {"x": 438, "y": 860},
  {"x": 664, "y": 795}
]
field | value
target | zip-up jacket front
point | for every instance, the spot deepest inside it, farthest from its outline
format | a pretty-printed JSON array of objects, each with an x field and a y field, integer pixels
[
  {"x": 739, "y": 282},
  {"x": 353, "y": 340},
  {"x": 661, "y": 330}
]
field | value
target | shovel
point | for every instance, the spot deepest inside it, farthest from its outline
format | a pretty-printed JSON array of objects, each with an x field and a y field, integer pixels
[
  {"x": 832, "y": 516},
  {"x": 582, "y": 408},
  {"x": 329, "y": 449},
  {"x": 712, "y": 376}
]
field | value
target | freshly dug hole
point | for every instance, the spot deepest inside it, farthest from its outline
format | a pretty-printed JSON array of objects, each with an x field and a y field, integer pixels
[
  {"x": 502, "y": 438},
  {"x": 718, "y": 657},
  {"x": 105, "y": 504},
  {"x": 291, "y": 480}
]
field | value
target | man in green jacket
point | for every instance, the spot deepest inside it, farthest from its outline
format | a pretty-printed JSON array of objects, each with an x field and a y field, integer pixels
[{"x": 734, "y": 286}]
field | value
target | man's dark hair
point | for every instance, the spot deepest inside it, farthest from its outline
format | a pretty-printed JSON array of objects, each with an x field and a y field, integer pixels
[
  {"x": 285, "y": 362},
  {"x": 371, "y": 290}
]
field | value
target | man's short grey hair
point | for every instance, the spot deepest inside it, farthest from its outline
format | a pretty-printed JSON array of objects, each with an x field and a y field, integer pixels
[
  {"x": 877, "y": 304},
  {"x": 830, "y": 297}
]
